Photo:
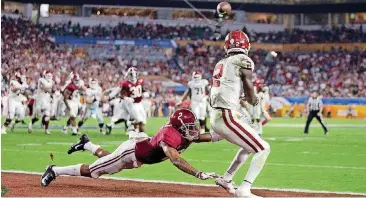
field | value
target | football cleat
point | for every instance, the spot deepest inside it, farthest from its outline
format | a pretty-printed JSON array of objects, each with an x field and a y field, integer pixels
[
  {"x": 245, "y": 193},
  {"x": 79, "y": 146},
  {"x": 3, "y": 130},
  {"x": 108, "y": 129},
  {"x": 48, "y": 176},
  {"x": 47, "y": 132},
  {"x": 30, "y": 127},
  {"x": 227, "y": 185}
]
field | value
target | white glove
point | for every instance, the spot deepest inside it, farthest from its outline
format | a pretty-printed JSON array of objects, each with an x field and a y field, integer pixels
[{"x": 204, "y": 176}]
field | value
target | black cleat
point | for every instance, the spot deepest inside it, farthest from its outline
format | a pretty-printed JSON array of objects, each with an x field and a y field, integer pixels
[
  {"x": 108, "y": 130},
  {"x": 79, "y": 146},
  {"x": 48, "y": 176}
]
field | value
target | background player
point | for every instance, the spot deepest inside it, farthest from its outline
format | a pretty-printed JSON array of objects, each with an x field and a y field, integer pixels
[
  {"x": 15, "y": 101},
  {"x": 71, "y": 95},
  {"x": 92, "y": 99},
  {"x": 42, "y": 103},
  {"x": 230, "y": 73},
  {"x": 197, "y": 89},
  {"x": 171, "y": 140}
]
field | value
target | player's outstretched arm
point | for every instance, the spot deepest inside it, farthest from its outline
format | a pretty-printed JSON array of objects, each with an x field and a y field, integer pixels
[
  {"x": 183, "y": 165},
  {"x": 185, "y": 96},
  {"x": 246, "y": 76}
]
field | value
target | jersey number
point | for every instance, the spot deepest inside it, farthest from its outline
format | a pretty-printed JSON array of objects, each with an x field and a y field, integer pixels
[
  {"x": 198, "y": 91},
  {"x": 217, "y": 75},
  {"x": 136, "y": 91}
]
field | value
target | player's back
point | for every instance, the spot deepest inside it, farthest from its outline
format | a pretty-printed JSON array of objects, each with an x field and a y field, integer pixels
[
  {"x": 198, "y": 89},
  {"x": 226, "y": 82},
  {"x": 149, "y": 151}
]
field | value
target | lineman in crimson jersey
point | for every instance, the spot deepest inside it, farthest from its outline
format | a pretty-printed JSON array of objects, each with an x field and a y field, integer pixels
[
  {"x": 230, "y": 74},
  {"x": 197, "y": 89},
  {"x": 71, "y": 95},
  {"x": 171, "y": 140},
  {"x": 130, "y": 91},
  {"x": 42, "y": 103}
]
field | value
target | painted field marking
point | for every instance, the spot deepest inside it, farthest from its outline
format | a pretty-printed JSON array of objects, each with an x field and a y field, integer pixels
[
  {"x": 195, "y": 184},
  {"x": 317, "y": 125},
  {"x": 223, "y": 162}
]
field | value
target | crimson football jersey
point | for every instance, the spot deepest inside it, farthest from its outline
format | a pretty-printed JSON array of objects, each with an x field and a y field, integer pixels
[
  {"x": 133, "y": 90},
  {"x": 72, "y": 88},
  {"x": 149, "y": 151}
]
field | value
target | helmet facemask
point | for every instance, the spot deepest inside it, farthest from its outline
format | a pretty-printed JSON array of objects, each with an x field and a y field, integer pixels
[{"x": 190, "y": 131}]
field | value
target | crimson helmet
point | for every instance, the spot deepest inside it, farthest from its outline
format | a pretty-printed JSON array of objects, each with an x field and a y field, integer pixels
[
  {"x": 237, "y": 41},
  {"x": 131, "y": 74},
  {"x": 196, "y": 76},
  {"x": 76, "y": 79},
  {"x": 186, "y": 123}
]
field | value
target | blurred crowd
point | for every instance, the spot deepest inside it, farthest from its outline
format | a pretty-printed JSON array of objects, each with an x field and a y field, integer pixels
[
  {"x": 202, "y": 32},
  {"x": 339, "y": 73}
]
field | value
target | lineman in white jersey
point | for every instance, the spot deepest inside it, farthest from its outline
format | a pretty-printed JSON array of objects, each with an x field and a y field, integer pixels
[
  {"x": 42, "y": 104},
  {"x": 93, "y": 96},
  {"x": 15, "y": 101},
  {"x": 197, "y": 89},
  {"x": 230, "y": 74}
]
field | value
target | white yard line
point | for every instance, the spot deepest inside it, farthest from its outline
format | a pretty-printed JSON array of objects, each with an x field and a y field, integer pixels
[
  {"x": 317, "y": 125},
  {"x": 196, "y": 184},
  {"x": 220, "y": 161}
]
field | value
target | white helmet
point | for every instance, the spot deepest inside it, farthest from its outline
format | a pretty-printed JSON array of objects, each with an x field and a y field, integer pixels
[
  {"x": 21, "y": 76},
  {"x": 196, "y": 76},
  {"x": 47, "y": 75},
  {"x": 93, "y": 83},
  {"x": 76, "y": 79},
  {"x": 132, "y": 74}
]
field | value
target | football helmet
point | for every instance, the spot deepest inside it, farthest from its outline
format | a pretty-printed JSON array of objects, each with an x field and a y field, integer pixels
[
  {"x": 21, "y": 77},
  {"x": 185, "y": 121},
  {"x": 237, "y": 41},
  {"x": 132, "y": 74},
  {"x": 196, "y": 76},
  {"x": 47, "y": 74},
  {"x": 93, "y": 83},
  {"x": 76, "y": 79}
]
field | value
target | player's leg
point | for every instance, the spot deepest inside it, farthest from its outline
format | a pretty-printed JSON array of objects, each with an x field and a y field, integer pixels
[
  {"x": 20, "y": 112},
  {"x": 37, "y": 110},
  {"x": 100, "y": 119},
  {"x": 74, "y": 107},
  {"x": 227, "y": 124},
  {"x": 202, "y": 116},
  {"x": 10, "y": 115},
  {"x": 46, "y": 116},
  {"x": 86, "y": 114}
]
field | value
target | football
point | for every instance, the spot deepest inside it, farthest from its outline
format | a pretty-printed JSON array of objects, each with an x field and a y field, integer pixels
[{"x": 223, "y": 8}]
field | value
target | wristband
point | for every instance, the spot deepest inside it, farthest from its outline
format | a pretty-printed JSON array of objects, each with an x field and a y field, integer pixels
[{"x": 197, "y": 174}]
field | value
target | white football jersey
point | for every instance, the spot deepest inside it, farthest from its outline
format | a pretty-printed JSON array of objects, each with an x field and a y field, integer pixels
[
  {"x": 14, "y": 89},
  {"x": 97, "y": 93},
  {"x": 198, "y": 89},
  {"x": 46, "y": 84},
  {"x": 226, "y": 81}
]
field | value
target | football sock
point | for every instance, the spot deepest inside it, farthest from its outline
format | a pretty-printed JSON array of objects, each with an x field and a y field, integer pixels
[
  {"x": 91, "y": 147},
  {"x": 238, "y": 161},
  {"x": 73, "y": 170},
  {"x": 256, "y": 165}
]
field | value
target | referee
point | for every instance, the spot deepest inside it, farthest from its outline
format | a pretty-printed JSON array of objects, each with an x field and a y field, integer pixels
[{"x": 315, "y": 108}]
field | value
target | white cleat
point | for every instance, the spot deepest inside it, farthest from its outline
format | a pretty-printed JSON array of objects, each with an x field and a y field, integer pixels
[
  {"x": 227, "y": 185},
  {"x": 47, "y": 132},
  {"x": 3, "y": 130},
  {"x": 64, "y": 130},
  {"x": 142, "y": 135},
  {"x": 30, "y": 127},
  {"x": 132, "y": 135},
  {"x": 245, "y": 193}
]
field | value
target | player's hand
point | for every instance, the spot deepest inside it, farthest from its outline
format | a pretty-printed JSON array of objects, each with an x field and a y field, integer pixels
[
  {"x": 204, "y": 176},
  {"x": 319, "y": 114},
  {"x": 273, "y": 54}
]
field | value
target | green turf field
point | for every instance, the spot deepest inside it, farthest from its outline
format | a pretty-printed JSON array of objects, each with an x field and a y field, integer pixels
[{"x": 336, "y": 162}]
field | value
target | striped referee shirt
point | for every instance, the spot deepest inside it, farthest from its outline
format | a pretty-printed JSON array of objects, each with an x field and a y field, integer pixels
[{"x": 315, "y": 104}]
